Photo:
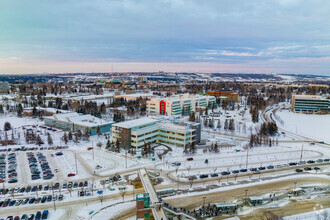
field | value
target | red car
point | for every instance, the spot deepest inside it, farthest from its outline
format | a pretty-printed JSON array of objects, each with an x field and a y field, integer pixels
[
  {"x": 71, "y": 174},
  {"x": 190, "y": 159}
]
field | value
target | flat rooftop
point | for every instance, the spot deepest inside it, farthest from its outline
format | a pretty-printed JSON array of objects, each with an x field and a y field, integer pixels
[
  {"x": 136, "y": 122},
  {"x": 316, "y": 97}
]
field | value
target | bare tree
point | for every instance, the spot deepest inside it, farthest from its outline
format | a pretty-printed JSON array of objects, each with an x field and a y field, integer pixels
[
  {"x": 188, "y": 168},
  {"x": 219, "y": 180},
  {"x": 191, "y": 181},
  {"x": 122, "y": 192}
]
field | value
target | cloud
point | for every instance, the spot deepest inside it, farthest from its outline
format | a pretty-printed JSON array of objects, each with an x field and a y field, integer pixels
[{"x": 226, "y": 32}]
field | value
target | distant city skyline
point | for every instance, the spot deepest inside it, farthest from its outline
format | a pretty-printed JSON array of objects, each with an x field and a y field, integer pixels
[{"x": 279, "y": 36}]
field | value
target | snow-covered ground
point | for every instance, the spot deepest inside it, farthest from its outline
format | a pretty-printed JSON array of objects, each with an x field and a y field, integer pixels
[
  {"x": 317, "y": 214},
  {"x": 312, "y": 126}
]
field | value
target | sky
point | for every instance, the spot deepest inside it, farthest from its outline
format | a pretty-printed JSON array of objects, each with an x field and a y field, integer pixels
[{"x": 258, "y": 36}]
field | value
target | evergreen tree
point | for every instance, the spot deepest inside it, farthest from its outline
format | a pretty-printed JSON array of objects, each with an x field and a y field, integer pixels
[
  {"x": 39, "y": 141},
  {"x": 117, "y": 144},
  {"x": 70, "y": 136},
  {"x": 98, "y": 130},
  {"x": 20, "y": 110},
  {"x": 231, "y": 125},
  {"x": 49, "y": 139},
  {"x": 108, "y": 145},
  {"x": 192, "y": 148},
  {"x": 7, "y": 126},
  {"x": 264, "y": 129},
  {"x": 216, "y": 147},
  {"x": 34, "y": 112},
  {"x": 219, "y": 124},
  {"x": 65, "y": 138},
  {"x": 86, "y": 135},
  {"x": 226, "y": 124},
  {"x": 76, "y": 137}
]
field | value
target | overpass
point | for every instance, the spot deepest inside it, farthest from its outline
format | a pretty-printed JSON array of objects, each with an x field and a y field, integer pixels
[{"x": 157, "y": 209}]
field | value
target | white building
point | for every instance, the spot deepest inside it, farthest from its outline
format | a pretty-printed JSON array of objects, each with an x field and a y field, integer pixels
[
  {"x": 135, "y": 133},
  {"x": 73, "y": 121},
  {"x": 177, "y": 104}
]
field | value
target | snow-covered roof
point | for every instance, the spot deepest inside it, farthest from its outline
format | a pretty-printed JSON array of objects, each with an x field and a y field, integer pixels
[
  {"x": 136, "y": 122},
  {"x": 84, "y": 120},
  {"x": 230, "y": 204},
  {"x": 318, "y": 97}
]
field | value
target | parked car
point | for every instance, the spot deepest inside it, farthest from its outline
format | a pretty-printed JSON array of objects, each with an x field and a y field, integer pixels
[
  {"x": 71, "y": 174},
  {"x": 299, "y": 170},
  {"x": 307, "y": 168},
  {"x": 176, "y": 164},
  {"x": 203, "y": 176},
  {"x": 190, "y": 159},
  {"x": 44, "y": 214}
]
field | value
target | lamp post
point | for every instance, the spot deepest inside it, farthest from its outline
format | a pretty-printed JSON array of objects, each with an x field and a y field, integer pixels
[
  {"x": 204, "y": 197},
  {"x": 246, "y": 196}
]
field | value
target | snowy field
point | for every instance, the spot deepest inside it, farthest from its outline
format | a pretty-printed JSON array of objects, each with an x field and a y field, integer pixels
[{"x": 312, "y": 126}]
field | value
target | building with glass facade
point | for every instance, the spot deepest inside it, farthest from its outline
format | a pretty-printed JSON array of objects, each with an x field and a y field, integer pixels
[
  {"x": 178, "y": 104},
  {"x": 310, "y": 104},
  {"x": 135, "y": 133},
  {"x": 73, "y": 122}
]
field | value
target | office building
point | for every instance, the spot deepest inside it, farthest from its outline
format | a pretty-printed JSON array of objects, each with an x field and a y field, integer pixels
[
  {"x": 135, "y": 133},
  {"x": 178, "y": 104},
  {"x": 73, "y": 122},
  {"x": 310, "y": 104}
]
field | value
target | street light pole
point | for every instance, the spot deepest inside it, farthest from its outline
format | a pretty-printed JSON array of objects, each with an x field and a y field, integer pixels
[
  {"x": 75, "y": 158},
  {"x": 302, "y": 149},
  {"x": 247, "y": 156},
  {"x": 204, "y": 200},
  {"x": 246, "y": 196}
]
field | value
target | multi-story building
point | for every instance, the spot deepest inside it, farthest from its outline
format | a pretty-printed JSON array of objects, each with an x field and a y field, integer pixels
[
  {"x": 135, "y": 133},
  {"x": 73, "y": 122},
  {"x": 178, "y": 104},
  {"x": 310, "y": 104},
  {"x": 225, "y": 94},
  {"x": 4, "y": 86}
]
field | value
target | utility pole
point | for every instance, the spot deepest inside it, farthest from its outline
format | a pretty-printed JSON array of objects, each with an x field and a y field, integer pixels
[
  {"x": 53, "y": 196},
  {"x": 246, "y": 196},
  {"x": 302, "y": 149},
  {"x": 204, "y": 197},
  {"x": 75, "y": 158},
  {"x": 247, "y": 156},
  {"x": 126, "y": 157},
  {"x": 93, "y": 148}
]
